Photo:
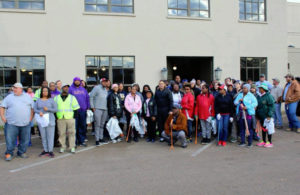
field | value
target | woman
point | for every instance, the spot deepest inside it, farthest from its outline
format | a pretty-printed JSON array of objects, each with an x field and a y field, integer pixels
[
  {"x": 46, "y": 105},
  {"x": 114, "y": 106},
  {"x": 187, "y": 105},
  {"x": 224, "y": 110},
  {"x": 177, "y": 95},
  {"x": 215, "y": 88},
  {"x": 30, "y": 92},
  {"x": 83, "y": 84},
  {"x": 149, "y": 114},
  {"x": 133, "y": 105},
  {"x": 205, "y": 110},
  {"x": 265, "y": 110},
  {"x": 145, "y": 89}
]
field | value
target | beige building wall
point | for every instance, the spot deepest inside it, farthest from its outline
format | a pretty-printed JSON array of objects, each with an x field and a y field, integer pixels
[{"x": 65, "y": 34}]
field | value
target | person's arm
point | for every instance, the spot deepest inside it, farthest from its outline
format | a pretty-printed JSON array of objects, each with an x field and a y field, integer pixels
[
  {"x": 237, "y": 100},
  {"x": 271, "y": 106},
  {"x": 127, "y": 106},
  {"x": 139, "y": 104},
  {"x": 2, "y": 114},
  {"x": 75, "y": 104},
  {"x": 110, "y": 105},
  {"x": 36, "y": 109},
  {"x": 92, "y": 97},
  {"x": 154, "y": 108},
  {"x": 180, "y": 124},
  {"x": 53, "y": 107},
  {"x": 217, "y": 106},
  {"x": 31, "y": 114},
  {"x": 170, "y": 97},
  {"x": 295, "y": 95}
]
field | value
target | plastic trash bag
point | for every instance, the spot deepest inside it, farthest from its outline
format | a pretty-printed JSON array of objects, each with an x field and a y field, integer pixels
[
  {"x": 43, "y": 121},
  {"x": 89, "y": 117},
  {"x": 213, "y": 123},
  {"x": 135, "y": 122},
  {"x": 143, "y": 127},
  {"x": 270, "y": 126},
  {"x": 123, "y": 119},
  {"x": 113, "y": 128}
]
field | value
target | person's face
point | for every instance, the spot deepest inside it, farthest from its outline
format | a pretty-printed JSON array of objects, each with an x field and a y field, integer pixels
[
  {"x": 262, "y": 79},
  {"x": 245, "y": 90},
  {"x": 58, "y": 84},
  {"x": 83, "y": 83},
  {"x": 230, "y": 88},
  {"x": 250, "y": 82},
  {"x": 204, "y": 90},
  {"x": 146, "y": 88},
  {"x": 253, "y": 90},
  {"x": 45, "y": 92},
  {"x": 52, "y": 87},
  {"x": 274, "y": 82},
  {"x": 17, "y": 90},
  {"x": 104, "y": 83},
  {"x": 175, "y": 111},
  {"x": 65, "y": 89},
  {"x": 222, "y": 91},
  {"x": 148, "y": 95},
  {"x": 227, "y": 81},
  {"x": 198, "y": 82},
  {"x": 237, "y": 85},
  {"x": 161, "y": 85},
  {"x": 129, "y": 89},
  {"x": 216, "y": 86},
  {"x": 176, "y": 88},
  {"x": 45, "y": 84},
  {"x": 77, "y": 82},
  {"x": 288, "y": 79},
  {"x": 193, "y": 85},
  {"x": 121, "y": 87},
  {"x": 177, "y": 79},
  {"x": 29, "y": 90},
  {"x": 133, "y": 90},
  {"x": 261, "y": 90},
  {"x": 187, "y": 90},
  {"x": 116, "y": 89}
]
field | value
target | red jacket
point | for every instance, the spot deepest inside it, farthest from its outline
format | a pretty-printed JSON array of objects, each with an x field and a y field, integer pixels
[
  {"x": 205, "y": 106},
  {"x": 187, "y": 103}
]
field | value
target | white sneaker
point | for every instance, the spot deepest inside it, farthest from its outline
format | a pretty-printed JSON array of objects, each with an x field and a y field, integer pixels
[
  {"x": 114, "y": 141},
  {"x": 119, "y": 139},
  {"x": 61, "y": 150}
]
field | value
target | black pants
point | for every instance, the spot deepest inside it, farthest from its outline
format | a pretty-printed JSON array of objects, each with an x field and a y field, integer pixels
[
  {"x": 151, "y": 127},
  {"x": 56, "y": 143},
  {"x": 265, "y": 133},
  {"x": 162, "y": 115}
]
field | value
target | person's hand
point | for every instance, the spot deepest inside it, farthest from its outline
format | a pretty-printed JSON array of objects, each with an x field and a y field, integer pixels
[
  {"x": 196, "y": 117},
  {"x": 134, "y": 113},
  {"x": 170, "y": 113},
  {"x": 114, "y": 117},
  {"x": 41, "y": 114},
  {"x": 240, "y": 100},
  {"x": 93, "y": 109},
  {"x": 269, "y": 118},
  {"x": 244, "y": 108},
  {"x": 153, "y": 118},
  {"x": 219, "y": 116},
  {"x": 4, "y": 119},
  {"x": 45, "y": 108},
  {"x": 231, "y": 119}
]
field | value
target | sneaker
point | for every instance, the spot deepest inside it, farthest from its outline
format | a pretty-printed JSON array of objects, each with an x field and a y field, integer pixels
[
  {"x": 249, "y": 146},
  {"x": 8, "y": 157},
  {"x": 233, "y": 140},
  {"x": 288, "y": 129},
  {"x": 86, "y": 140},
  {"x": 114, "y": 141},
  {"x": 83, "y": 144},
  {"x": 261, "y": 144},
  {"x": 102, "y": 141},
  {"x": 22, "y": 155},
  {"x": 119, "y": 139},
  {"x": 97, "y": 143},
  {"x": 220, "y": 143},
  {"x": 153, "y": 140},
  {"x": 184, "y": 146},
  {"x": 208, "y": 141},
  {"x": 268, "y": 145},
  {"x": 204, "y": 141},
  {"x": 43, "y": 154},
  {"x": 136, "y": 139},
  {"x": 73, "y": 150},
  {"x": 161, "y": 139},
  {"x": 242, "y": 144},
  {"x": 149, "y": 140},
  {"x": 298, "y": 130},
  {"x": 223, "y": 143},
  {"x": 51, "y": 154},
  {"x": 61, "y": 150}
]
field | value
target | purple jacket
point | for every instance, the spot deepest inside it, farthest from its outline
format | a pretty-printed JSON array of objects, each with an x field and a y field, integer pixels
[
  {"x": 81, "y": 95},
  {"x": 54, "y": 93}
]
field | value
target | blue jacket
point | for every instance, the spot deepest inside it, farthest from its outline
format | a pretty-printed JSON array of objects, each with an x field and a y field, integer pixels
[{"x": 249, "y": 101}]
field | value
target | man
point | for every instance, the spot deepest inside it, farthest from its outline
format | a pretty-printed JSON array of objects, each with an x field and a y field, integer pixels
[
  {"x": 98, "y": 102},
  {"x": 276, "y": 92},
  {"x": 178, "y": 81},
  {"x": 58, "y": 84},
  {"x": 291, "y": 97},
  {"x": 17, "y": 112},
  {"x": 54, "y": 92},
  {"x": 66, "y": 105},
  {"x": 178, "y": 123},
  {"x": 195, "y": 90},
  {"x": 37, "y": 93},
  {"x": 164, "y": 101},
  {"x": 262, "y": 80},
  {"x": 83, "y": 99}
]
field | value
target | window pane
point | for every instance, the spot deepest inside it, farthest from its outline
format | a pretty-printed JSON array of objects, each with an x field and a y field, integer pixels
[
  {"x": 254, "y": 8},
  {"x": 1, "y": 78},
  {"x": 264, "y": 63},
  {"x": 116, "y": 2},
  {"x": 102, "y": 8},
  {"x": 117, "y": 61},
  {"x": 91, "y": 76},
  {"x": 117, "y": 9},
  {"x": 195, "y": 13},
  {"x": 242, "y": 16},
  {"x": 204, "y": 5},
  {"x": 255, "y": 17},
  {"x": 8, "y": 4},
  {"x": 204, "y": 14},
  {"x": 103, "y": 73},
  {"x": 118, "y": 75},
  {"x": 104, "y": 61},
  {"x": 248, "y": 17},
  {"x": 37, "y": 6},
  {"x": 127, "y": 10},
  {"x": 10, "y": 77},
  {"x": 101, "y": 1},
  {"x": 10, "y": 62},
  {"x": 26, "y": 78},
  {"x": 24, "y": 5},
  {"x": 38, "y": 77},
  {"x": 38, "y": 62},
  {"x": 182, "y": 4},
  {"x": 182, "y": 13},
  {"x": 172, "y": 3},
  {"x": 90, "y": 1},
  {"x": 90, "y": 8},
  {"x": 128, "y": 62},
  {"x": 172, "y": 12},
  {"x": 127, "y": 2},
  {"x": 262, "y": 18},
  {"x": 1, "y": 62},
  {"x": 242, "y": 6},
  {"x": 128, "y": 76},
  {"x": 248, "y": 7},
  {"x": 195, "y": 4},
  {"x": 243, "y": 62},
  {"x": 261, "y": 8},
  {"x": 26, "y": 63},
  {"x": 90, "y": 62}
]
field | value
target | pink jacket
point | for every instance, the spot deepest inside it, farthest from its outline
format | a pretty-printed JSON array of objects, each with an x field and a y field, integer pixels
[{"x": 133, "y": 104}]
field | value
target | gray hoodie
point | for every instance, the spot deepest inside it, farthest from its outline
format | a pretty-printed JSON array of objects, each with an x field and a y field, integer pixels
[{"x": 98, "y": 97}]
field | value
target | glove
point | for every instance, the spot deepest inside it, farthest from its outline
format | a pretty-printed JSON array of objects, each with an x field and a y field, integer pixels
[
  {"x": 231, "y": 119},
  {"x": 196, "y": 117},
  {"x": 218, "y": 116}
]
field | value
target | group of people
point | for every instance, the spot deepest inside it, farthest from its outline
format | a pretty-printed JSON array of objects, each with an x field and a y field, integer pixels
[{"x": 231, "y": 110}]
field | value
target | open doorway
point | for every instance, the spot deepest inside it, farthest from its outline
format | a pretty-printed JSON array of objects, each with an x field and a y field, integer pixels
[{"x": 190, "y": 67}]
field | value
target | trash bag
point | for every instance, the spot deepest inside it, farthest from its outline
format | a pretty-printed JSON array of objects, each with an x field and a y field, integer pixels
[
  {"x": 113, "y": 128},
  {"x": 135, "y": 122},
  {"x": 270, "y": 126},
  {"x": 123, "y": 119},
  {"x": 213, "y": 124},
  {"x": 43, "y": 121},
  {"x": 143, "y": 127},
  {"x": 89, "y": 117}
]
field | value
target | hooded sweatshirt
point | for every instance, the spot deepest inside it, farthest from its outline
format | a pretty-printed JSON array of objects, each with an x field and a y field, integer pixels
[{"x": 81, "y": 95}]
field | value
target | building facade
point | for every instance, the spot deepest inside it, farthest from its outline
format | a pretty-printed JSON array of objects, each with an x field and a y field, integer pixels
[{"x": 133, "y": 40}]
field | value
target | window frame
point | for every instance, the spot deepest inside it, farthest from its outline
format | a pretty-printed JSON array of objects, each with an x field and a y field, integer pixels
[
  {"x": 245, "y": 13},
  {"x": 18, "y": 9},
  {"x": 109, "y": 6},
  {"x": 260, "y": 67}
]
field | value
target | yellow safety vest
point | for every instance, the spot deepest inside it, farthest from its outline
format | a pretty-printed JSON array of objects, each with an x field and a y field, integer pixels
[{"x": 65, "y": 109}]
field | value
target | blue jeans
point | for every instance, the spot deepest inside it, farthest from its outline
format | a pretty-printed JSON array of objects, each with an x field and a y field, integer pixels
[
  {"x": 290, "y": 110},
  {"x": 11, "y": 134},
  {"x": 243, "y": 131},
  {"x": 222, "y": 125},
  {"x": 80, "y": 127},
  {"x": 277, "y": 114},
  {"x": 190, "y": 128}
]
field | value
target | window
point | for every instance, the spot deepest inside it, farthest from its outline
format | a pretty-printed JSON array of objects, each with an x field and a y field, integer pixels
[
  {"x": 30, "y": 71},
  {"x": 189, "y": 8},
  {"x": 23, "y": 4},
  {"x": 107, "y": 6},
  {"x": 251, "y": 68},
  {"x": 119, "y": 69},
  {"x": 253, "y": 10}
]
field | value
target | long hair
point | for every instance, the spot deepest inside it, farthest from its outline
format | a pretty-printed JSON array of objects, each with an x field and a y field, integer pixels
[
  {"x": 207, "y": 87},
  {"x": 49, "y": 93}
]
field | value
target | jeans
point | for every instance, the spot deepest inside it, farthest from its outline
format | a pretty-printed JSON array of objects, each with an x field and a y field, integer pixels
[
  {"x": 100, "y": 119},
  {"x": 206, "y": 129},
  {"x": 290, "y": 110},
  {"x": 222, "y": 125},
  {"x": 243, "y": 131},
  {"x": 11, "y": 134},
  {"x": 190, "y": 128},
  {"x": 80, "y": 127},
  {"x": 177, "y": 135},
  {"x": 277, "y": 115}
]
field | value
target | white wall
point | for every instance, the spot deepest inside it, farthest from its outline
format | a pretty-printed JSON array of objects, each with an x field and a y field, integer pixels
[{"x": 65, "y": 36}]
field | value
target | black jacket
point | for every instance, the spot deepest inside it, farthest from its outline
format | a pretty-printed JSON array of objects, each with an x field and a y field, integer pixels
[
  {"x": 151, "y": 106},
  {"x": 112, "y": 104},
  {"x": 164, "y": 99},
  {"x": 224, "y": 104}
]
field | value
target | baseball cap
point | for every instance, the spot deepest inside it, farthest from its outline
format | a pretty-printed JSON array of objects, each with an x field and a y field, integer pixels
[
  {"x": 262, "y": 75},
  {"x": 276, "y": 79},
  {"x": 65, "y": 84},
  {"x": 18, "y": 85},
  {"x": 289, "y": 75},
  {"x": 222, "y": 86}
]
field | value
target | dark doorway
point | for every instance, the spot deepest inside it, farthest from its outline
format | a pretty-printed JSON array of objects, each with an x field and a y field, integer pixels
[{"x": 190, "y": 67}]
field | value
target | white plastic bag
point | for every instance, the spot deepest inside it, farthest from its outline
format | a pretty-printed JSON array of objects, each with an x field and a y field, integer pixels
[
  {"x": 43, "y": 121},
  {"x": 270, "y": 126},
  {"x": 123, "y": 119},
  {"x": 113, "y": 128},
  {"x": 213, "y": 123},
  {"x": 143, "y": 127},
  {"x": 89, "y": 117},
  {"x": 135, "y": 122}
]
